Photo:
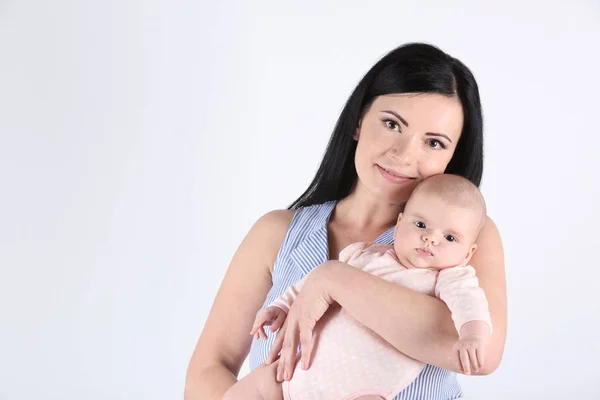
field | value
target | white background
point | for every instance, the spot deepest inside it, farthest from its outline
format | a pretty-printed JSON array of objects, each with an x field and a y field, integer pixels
[{"x": 141, "y": 139}]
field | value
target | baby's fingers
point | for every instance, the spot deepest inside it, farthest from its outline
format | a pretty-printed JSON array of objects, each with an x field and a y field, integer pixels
[
  {"x": 255, "y": 327},
  {"x": 262, "y": 334},
  {"x": 258, "y": 323},
  {"x": 278, "y": 322},
  {"x": 473, "y": 357},
  {"x": 464, "y": 361},
  {"x": 480, "y": 356}
]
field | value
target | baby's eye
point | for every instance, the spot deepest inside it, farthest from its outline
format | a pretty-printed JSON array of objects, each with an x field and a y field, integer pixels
[
  {"x": 450, "y": 238},
  {"x": 420, "y": 225},
  {"x": 393, "y": 125}
]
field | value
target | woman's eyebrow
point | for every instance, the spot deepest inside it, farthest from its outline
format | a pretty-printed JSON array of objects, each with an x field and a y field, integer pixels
[
  {"x": 395, "y": 114},
  {"x": 439, "y": 135}
]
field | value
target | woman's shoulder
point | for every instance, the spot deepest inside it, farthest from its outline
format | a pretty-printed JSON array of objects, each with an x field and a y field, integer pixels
[
  {"x": 489, "y": 223},
  {"x": 267, "y": 234},
  {"x": 490, "y": 250},
  {"x": 489, "y": 231},
  {"x": 274, "y": 222}
]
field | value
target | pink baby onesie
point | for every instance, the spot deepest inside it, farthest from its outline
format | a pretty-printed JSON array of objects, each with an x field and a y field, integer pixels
[{"x": 350, "y": 360}]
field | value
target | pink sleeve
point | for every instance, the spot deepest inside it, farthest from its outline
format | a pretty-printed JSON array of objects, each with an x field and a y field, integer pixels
[
  {"x": 352, "y": 251},
  {"x": 459, "y": 288},
  {"x": 287, "y": 298},
  {"x": 362, "y": 254},
  {"x": 348, "y": 255}
]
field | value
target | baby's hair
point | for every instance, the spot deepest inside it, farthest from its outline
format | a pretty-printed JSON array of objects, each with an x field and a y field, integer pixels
[{"x": 457, "y": 191}]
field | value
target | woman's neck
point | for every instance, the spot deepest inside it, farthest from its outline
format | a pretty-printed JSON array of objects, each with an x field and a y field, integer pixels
[{"x": 361, "y": 210}]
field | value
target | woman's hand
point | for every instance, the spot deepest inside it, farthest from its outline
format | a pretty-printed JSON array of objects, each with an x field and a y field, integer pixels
[{"x": 308, "y": 308}]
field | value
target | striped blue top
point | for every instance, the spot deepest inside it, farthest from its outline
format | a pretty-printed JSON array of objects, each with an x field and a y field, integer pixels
[{"x": 305, "y": 247}]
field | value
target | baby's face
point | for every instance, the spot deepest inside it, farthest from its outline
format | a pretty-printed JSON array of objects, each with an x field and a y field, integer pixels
[{"x": 434, "y": 234}]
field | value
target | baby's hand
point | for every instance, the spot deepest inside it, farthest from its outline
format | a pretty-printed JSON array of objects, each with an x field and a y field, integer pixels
[
  {"x": 273, "y": 316},
  {"x": 473, "y": 338}
]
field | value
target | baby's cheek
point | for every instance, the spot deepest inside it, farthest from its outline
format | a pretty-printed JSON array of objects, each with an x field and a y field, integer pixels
[
  {"x": 404, "y": 249},
  {"x": 457, "y": 256}
]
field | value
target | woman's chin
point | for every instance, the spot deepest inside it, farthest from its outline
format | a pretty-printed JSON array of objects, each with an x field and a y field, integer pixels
[
  {"x": 394, "y": 198},
  {"x": 397, "y": 195}
]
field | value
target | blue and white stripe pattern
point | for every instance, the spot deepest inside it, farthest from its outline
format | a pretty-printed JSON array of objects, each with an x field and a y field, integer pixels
[{"x": 305, "y": 247}]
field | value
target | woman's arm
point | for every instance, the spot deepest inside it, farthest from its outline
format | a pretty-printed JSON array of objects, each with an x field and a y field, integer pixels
[
  {"x": 216, "y": 362},
  {"x": 419, "y": 325}
]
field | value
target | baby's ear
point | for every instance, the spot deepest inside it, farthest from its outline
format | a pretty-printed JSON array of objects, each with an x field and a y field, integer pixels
[
  {"x": 397, "y": 221},
  {"x": 469, "y": 255}
]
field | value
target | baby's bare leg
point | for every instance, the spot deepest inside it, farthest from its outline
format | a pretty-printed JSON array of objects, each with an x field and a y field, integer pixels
[
  {"x": 260, "y": 384},
  {"x": 370, "y": 398}
]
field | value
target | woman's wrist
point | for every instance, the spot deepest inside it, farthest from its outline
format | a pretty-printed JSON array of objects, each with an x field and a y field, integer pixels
[{"x": 334, "y": 274}]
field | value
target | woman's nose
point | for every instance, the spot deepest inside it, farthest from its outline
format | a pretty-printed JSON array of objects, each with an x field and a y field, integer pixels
[{"x": 405, "y": 150}]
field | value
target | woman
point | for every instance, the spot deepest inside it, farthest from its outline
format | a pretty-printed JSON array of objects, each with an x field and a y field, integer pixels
[{"x": 415, "y": 114}]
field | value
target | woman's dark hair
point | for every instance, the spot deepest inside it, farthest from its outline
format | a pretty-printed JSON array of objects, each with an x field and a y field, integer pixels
[{"x": 410, "y": 68}]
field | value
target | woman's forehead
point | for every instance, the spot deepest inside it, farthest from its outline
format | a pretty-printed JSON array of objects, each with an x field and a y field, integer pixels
[{"x": 420, "y": 102}]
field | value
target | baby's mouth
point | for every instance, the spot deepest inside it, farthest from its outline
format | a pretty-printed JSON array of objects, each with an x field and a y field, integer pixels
[{"x": 425, "y": 252}]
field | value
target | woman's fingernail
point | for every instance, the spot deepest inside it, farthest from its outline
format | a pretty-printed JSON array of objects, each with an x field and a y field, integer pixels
[
  {"x": 303, "y": 365},
  {"x": 286, "y": 375}
]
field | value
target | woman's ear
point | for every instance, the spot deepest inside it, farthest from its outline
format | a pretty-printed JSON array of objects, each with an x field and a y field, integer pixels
[{"x": 357, "y": 131}]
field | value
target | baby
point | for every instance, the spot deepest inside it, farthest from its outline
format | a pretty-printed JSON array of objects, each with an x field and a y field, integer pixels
[{"x": 434, "y": 240}]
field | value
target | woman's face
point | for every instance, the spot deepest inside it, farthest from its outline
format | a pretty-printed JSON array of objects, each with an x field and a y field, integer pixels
[{"x": 403, "y": 139}]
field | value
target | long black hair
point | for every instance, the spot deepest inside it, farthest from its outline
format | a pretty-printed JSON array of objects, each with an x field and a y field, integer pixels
[{"x": 410, "y": 68}]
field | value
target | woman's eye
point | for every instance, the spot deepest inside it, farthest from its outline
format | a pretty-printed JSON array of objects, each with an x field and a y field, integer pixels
[
  {"x": 450, "y": 238},
  {"x": 393, "y": 125},
  {"x": 420, "y": 225},
  {"x": 436, "y": 144}
]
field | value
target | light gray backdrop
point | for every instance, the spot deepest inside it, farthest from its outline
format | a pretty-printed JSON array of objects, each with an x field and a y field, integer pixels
[{"x": 141, "y": 139}]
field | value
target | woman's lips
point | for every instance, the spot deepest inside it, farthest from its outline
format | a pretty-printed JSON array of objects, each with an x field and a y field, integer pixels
[{"x": 393, "y": 176}]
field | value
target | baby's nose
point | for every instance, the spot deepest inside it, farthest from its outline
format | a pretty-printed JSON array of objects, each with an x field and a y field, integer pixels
[{"x": 429, "y": 238}]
